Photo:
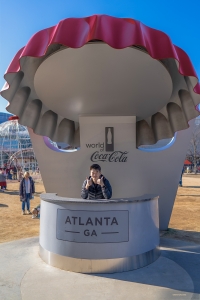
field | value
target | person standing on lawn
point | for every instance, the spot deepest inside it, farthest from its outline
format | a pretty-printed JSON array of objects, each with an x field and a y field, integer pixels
[
  {"x": 14, "y": 173},
  {"x": 20, "y": 177},
  {"x": 26, "y": 191},
  {"x": 2, "y": 180}
]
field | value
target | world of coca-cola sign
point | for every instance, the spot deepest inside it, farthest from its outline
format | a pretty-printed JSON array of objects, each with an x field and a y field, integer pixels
[{"x": 105, "y": 152}]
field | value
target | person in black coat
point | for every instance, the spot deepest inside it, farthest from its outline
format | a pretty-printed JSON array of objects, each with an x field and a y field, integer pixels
[{"x": 26, "y": 191}]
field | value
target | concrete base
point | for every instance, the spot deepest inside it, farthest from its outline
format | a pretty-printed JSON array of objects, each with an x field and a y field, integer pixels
[
  {"x": 99, "y": 266},
  {"x": 175, "y": 275}
]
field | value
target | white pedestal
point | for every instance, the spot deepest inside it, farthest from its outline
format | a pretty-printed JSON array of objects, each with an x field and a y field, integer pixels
[{"x": 103, "y": 236}]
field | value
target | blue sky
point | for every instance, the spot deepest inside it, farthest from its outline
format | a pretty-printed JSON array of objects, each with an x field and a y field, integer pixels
[{"x": 20, "y": 19}]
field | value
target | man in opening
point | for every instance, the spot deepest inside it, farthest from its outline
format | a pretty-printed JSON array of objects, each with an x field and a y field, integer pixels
[{"x": 96, "y": 186}]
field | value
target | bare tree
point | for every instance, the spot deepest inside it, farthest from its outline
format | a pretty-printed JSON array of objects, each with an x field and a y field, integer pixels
[{"x": 193, "y": 153}]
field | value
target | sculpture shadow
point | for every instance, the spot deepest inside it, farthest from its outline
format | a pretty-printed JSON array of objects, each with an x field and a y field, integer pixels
[
  {"x": 191, "y": 187},
  {"x": 162, "y": 272},
  {"x": 190, "y": 236},
  {"x": 184, "y": 195},
  {"x": 3, "y": 205},
  {"x": 14, "y": 192}
]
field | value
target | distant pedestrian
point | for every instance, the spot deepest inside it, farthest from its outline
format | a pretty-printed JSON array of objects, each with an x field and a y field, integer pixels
[
  {"x": 20, "y": 173},
  {"x": 4, "y": 173},
  {"x": 26, "y": 191},
  {"x": 180, "y": 180},
  {"x": 14, "y": 173},
  {"x": 2, "y": 180}
]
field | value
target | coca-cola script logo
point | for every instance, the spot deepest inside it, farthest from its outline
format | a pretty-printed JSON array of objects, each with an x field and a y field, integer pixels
[{"x": 115, "y": 156}]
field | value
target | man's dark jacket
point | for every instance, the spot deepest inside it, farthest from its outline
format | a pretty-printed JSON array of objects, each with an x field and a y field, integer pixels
[
  {"x": 22, "y": 189},
  {"x": 95, "y": 191}
]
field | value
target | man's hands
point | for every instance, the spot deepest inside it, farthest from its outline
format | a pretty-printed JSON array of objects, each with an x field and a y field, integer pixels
[
  {"x": 89, "y": 183},
  {"x": 100, "y": 181}
]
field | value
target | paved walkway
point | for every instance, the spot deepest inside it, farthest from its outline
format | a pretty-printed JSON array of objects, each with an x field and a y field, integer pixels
[{"x": 175, "y": 275}]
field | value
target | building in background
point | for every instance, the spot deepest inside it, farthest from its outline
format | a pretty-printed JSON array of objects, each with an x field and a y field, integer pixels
[
  {"x": 16, "y": 150},
  {"x": 197, "y": 121},
  {"x": 4, "y": 117}
]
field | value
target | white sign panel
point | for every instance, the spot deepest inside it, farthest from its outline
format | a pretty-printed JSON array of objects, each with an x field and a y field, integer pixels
[{"x": 82, "y": 226}]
